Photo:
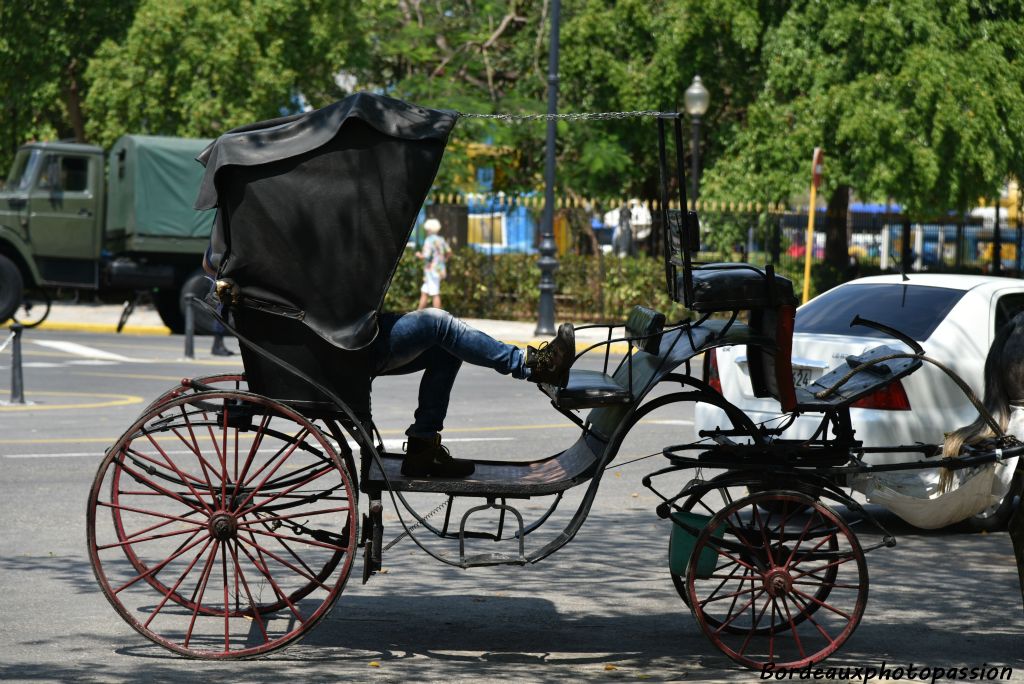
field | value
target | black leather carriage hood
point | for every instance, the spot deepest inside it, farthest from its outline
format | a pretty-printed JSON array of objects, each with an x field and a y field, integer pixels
[{"x": 315, "y": 210}]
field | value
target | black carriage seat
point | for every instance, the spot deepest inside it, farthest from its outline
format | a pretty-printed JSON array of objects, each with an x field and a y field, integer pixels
[
  {"x": 592, "y": 388},
  {"x": 772, "y": 305}
]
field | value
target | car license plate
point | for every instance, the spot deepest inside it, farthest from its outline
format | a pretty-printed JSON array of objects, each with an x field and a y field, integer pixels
[{"x": 801, "y": 377}]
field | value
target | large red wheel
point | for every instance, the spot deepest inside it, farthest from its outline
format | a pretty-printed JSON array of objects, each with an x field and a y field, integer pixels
[
  {"x": 789, "y": 582},
  {"x": 234, "y": 526}
]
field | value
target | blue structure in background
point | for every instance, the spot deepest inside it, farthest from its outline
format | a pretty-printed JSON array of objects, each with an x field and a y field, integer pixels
[{"x": 499, "y": 224}]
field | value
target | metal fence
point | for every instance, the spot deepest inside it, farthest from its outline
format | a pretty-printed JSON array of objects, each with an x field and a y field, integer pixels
[{"x": 498, "y": 224}]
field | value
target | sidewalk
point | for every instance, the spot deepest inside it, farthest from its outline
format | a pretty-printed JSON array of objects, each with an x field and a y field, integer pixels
[{"x": 102, "y": 318}]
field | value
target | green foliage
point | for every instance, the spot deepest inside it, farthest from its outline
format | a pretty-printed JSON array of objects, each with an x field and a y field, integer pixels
[
  {"x": 45, "y": 46},
  {"x": 200, "y": 67},
  {"x": 507, "y": 286},
  {"x": 917, "y": 101}
]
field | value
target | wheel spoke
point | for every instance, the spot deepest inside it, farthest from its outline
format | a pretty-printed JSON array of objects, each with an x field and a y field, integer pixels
[
  {"x": 311, "y": 542},
  {"x": 265, "y": 571},
  {"x": 257, "y": 506},
  {"x": 173, "y": 590},
  {"x": 245, "y": 585},
  {"x": 824, "y": 605},
  {"x": 154, "y": 537},
  {"x": 792, "y": 629},
  {"x": 143, "y": 511},
  {"x": 286, "y": 455},
  {"x": 739, "y": 612},
  {"x": 256, "y": 443},
  {"x": 805, "y": 608},
  {"x": 183, "y": 476},
  {"x": 833, "y": 564},
  {"x": 204, "y": 578},
  {"x": 146, "y": 482},
  {"x": 306, "y": 575},
  {"x": 157, "y": 568}
]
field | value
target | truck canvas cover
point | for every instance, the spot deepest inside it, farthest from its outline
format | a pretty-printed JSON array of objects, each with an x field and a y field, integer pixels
[{"x": 153, "y": 183}]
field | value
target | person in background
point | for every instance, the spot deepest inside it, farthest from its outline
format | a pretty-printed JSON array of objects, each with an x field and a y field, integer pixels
[
  {"x": 434, "y": 253},
  {"x": 623, "y": 237}
]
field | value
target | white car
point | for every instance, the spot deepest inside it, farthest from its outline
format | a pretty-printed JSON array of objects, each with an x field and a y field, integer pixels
[{"x": 954, "y": 317}]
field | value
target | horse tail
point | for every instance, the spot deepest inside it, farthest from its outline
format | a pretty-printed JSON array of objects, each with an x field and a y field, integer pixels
[{"x": 1004, "y": 368}]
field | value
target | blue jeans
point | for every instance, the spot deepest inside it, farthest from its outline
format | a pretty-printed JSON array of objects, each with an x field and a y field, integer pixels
[{"x": 435, "y": 342}]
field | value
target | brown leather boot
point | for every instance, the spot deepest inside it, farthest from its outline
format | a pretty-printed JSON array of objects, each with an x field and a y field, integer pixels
[{"x": 426, "y": 457}]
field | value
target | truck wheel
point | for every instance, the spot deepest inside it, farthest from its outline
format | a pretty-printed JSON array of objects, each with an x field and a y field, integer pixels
[
  {"x": 11, "y": 288},
  {"x": 171, "y": 305}
]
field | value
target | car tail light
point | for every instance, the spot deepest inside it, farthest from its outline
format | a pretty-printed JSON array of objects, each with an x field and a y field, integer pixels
[
  {"x": 890, "y": 398},
  {"x": 711, "y": 371}
]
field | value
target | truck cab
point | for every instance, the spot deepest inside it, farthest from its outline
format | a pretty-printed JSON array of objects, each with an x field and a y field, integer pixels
[{"x": 51, "y": 214}]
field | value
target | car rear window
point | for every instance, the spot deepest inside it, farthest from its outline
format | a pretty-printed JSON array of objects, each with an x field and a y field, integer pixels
[{"x": 912, "y": 309}]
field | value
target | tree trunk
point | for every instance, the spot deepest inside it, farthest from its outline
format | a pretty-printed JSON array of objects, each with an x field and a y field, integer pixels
[
  {"x": 836, "y": 222},
  {"x": 73, "y": 100}
]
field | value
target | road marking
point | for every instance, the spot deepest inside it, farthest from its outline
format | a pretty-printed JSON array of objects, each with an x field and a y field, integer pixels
[
  {"x": 111, "y": 400},
  {"x": 133, "y": 376},
  {"x": 88, "y": 352},
  {"x": 388, "y": 444}
]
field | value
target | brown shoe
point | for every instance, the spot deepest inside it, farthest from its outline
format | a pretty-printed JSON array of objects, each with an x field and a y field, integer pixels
[
  {"x": 426, "y": 457},
  {"x": 550, "y": 363}
]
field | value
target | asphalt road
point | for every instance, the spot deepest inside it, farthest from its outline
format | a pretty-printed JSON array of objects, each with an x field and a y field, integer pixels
[{"x": 603, "y": 608}]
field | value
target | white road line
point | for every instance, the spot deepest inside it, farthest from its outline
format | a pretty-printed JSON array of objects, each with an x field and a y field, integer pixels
[
  {"x": 388, "y": 444},
  {"x": 87, "y": 352}
]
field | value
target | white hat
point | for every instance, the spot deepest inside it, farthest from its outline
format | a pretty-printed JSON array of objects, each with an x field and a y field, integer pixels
[{"x": 432, "y": 225}]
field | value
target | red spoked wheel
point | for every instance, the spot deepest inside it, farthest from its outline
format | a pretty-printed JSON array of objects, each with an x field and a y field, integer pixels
[
  {"x": 233, "y": 526},
  {"x": 789, "y": 582},
  {"x": 774, "y": 514}
]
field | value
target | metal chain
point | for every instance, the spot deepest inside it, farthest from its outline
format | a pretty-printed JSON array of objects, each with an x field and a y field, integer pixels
[
  {"x": 6, "y": 342},
  {"x": 575, "y": 116}
]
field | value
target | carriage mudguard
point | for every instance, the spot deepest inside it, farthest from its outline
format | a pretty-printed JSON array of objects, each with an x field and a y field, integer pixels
[{"x": 315, "y": 210}]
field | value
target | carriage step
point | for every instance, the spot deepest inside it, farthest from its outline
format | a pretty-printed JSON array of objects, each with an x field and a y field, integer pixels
[{"x": 484, "y": 559}]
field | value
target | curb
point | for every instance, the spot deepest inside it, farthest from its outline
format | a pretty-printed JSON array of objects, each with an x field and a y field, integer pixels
[{"x": 104, "y": 328}]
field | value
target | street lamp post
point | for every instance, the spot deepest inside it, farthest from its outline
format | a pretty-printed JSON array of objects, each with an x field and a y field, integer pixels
[
  {"x": 696, "y": 100},
  {"x": 547, "y": 262}
]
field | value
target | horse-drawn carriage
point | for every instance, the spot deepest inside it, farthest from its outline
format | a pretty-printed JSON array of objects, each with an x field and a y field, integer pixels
[{"x": 226, "y": 520}]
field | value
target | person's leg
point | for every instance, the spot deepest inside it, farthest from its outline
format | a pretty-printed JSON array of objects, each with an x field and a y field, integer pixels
[
  {"x": 423, "y": 301},
  {"x": 399, "y": 350},
  {"x": 407, "y": 339},
  {"x": 437, "y": 301}
]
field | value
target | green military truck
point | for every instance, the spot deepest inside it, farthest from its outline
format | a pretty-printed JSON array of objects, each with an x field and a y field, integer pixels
[{"x": 74, "y": 219}]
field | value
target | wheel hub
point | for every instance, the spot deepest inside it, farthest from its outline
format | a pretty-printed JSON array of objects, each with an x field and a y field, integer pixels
[
  {"x": 223, "y": 526},
  {"x": 778, "y": 582}
]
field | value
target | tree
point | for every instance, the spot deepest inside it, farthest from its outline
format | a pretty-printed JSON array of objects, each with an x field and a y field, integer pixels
[
  {"x": 45, "y": 46},
  {"x": 201, "y": 67},
  {"x": 918, "y": 101}
]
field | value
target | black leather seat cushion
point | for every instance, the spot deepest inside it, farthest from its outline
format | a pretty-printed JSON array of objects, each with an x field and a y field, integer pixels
[
  {"x": 724, "y": 287},
  {"x": 588, "y": 389}
]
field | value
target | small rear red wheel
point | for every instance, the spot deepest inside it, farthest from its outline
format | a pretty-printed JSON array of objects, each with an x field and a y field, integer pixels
[
  {"x": 234, "y": 525},
  {"x": 789, "y": 583}
]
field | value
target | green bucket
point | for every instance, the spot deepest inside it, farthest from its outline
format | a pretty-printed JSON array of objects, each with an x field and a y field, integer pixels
[{"x": 681, "y": 543}]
